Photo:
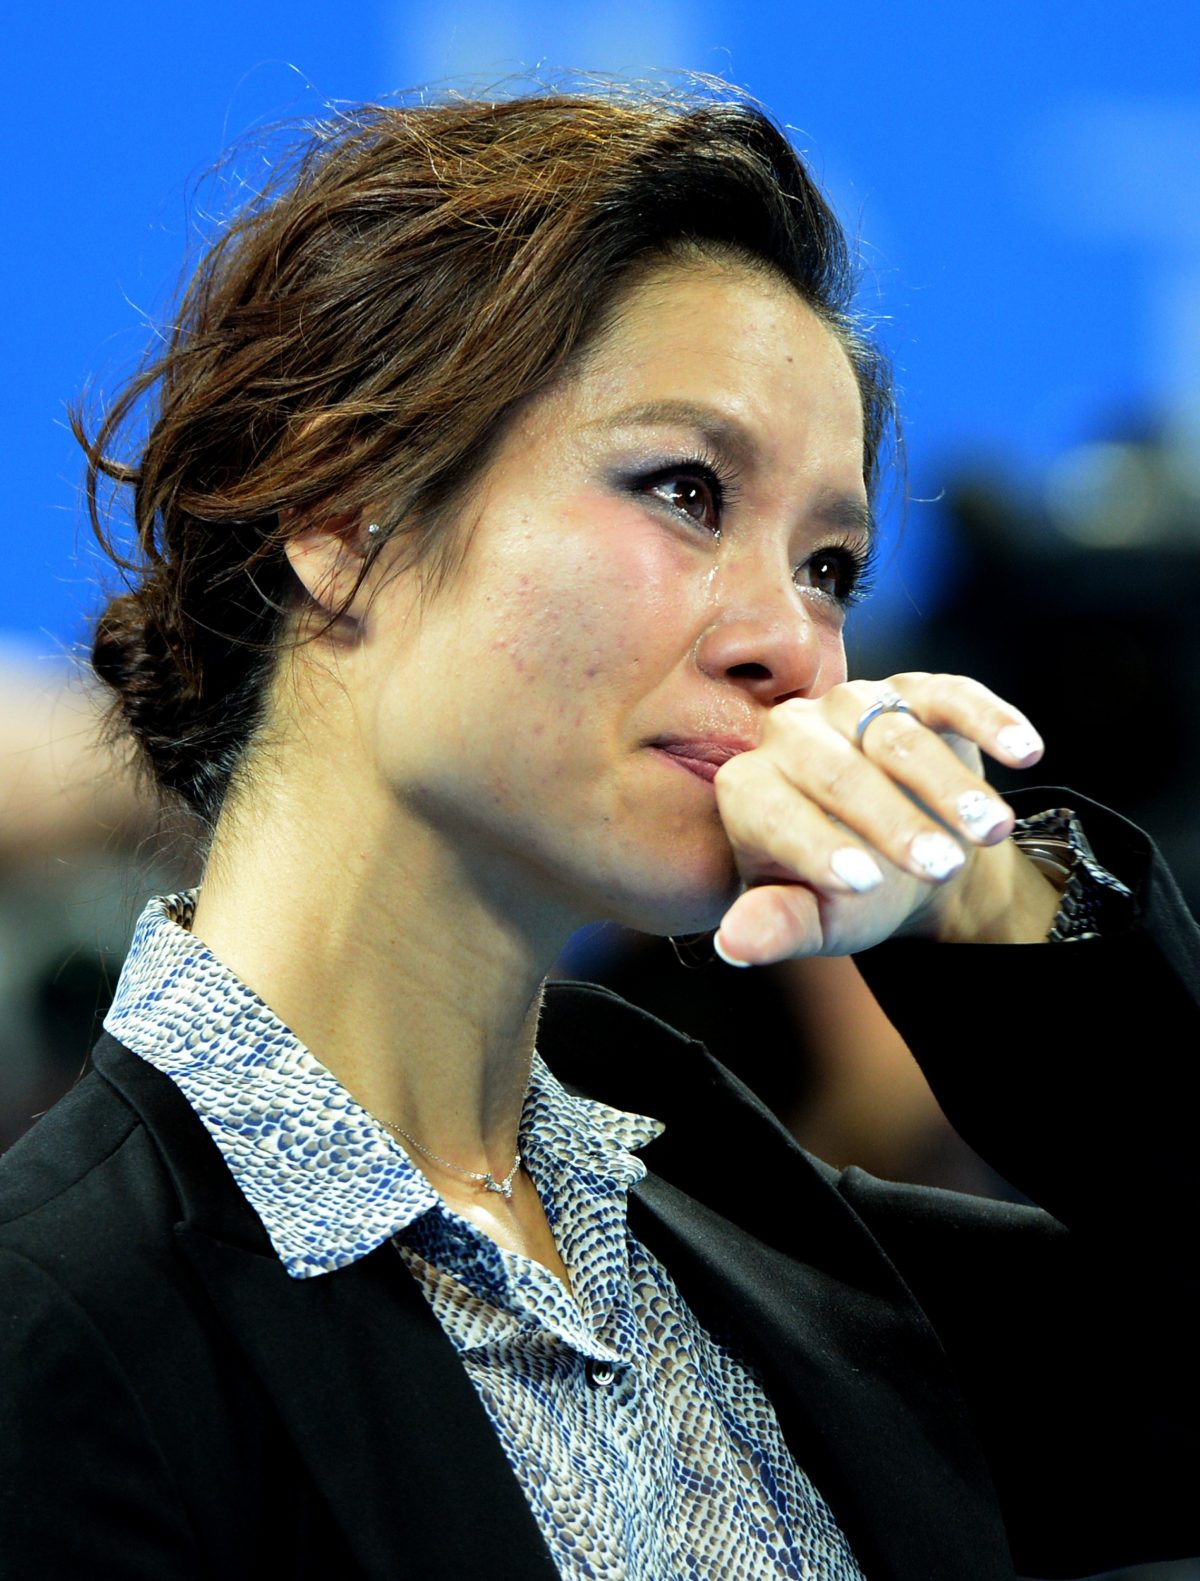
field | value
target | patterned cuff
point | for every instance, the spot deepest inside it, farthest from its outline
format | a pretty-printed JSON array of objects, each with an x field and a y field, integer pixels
[{"x": 1093, "y": 901}]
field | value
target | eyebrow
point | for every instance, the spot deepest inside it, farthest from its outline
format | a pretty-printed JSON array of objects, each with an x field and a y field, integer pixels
[
  {"x": 721, "y": 431},
  {"x": 845, "y": 513}
]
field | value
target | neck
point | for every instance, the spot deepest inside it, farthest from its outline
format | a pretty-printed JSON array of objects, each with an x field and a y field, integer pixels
[{"x": 414, "y": 976}]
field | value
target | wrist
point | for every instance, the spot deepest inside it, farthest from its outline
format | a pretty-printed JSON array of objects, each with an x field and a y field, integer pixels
[{"x": 1094, "y": 902}]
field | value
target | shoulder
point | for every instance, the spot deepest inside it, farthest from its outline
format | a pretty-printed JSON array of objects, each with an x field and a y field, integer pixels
[
  {"x": 90, "y": 1196},
  {"x": 77, "y": 1154},
  {"x": 86, "y": 1211},
  {"x": 121, "y": 1393},
  {"x": 92, "y": 1280}
]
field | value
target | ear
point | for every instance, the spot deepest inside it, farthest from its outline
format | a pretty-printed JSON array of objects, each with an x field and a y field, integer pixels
[{"x": 327, "y": 557}]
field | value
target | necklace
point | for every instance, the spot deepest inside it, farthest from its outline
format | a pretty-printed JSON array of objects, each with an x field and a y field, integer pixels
[{"x": 503, "y": 1188}]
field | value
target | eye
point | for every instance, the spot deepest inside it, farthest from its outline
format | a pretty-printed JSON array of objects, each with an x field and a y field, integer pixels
[
  {"x": 694, "y": 489},
  {"x": 696, "y": 497},
  {"x": 840, "y": 572}
]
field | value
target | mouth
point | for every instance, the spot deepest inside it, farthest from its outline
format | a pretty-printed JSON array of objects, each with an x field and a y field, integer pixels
[{"x": 701, "y": 758}]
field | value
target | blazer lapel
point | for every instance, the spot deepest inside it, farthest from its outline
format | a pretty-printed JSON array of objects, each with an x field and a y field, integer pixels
[
  {"x": 760, "y": 1242},
  {"x": 381, "y": 1411},
  {"x": 859, "y": 1389},
  {"x": 365, "y": 1383}
]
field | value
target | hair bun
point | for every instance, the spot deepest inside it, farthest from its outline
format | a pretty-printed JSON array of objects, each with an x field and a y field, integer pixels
[
  {"x": 189, "y": 735},
  {"x": 137, "y": 660}
]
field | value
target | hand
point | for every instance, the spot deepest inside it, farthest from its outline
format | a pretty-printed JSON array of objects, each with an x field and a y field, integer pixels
[{"x": 843, "y": 841}]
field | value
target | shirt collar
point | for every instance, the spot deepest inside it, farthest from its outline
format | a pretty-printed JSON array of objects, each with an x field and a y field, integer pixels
[{"x": 329, "y": 1183}]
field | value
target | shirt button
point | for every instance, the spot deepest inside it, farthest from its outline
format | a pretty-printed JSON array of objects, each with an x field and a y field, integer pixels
[{"x": 601, "y": 1374}]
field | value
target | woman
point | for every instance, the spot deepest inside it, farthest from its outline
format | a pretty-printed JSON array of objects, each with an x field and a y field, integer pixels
[{"x": 507, "y": 487}]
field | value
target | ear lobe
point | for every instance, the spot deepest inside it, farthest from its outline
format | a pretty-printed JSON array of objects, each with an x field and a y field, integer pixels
[{"x": 327, "y": 558}]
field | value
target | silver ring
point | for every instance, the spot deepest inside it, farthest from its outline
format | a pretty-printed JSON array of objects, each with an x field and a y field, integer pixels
[{"x": 886, "y": 703}]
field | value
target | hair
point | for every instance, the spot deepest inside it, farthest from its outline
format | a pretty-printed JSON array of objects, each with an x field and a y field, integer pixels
[{"x": 354, "y": 338}]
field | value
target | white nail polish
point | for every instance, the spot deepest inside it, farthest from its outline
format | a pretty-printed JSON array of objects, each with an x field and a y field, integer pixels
[
  {"x": 730, "y": 960},
  {"x": 1020, "y": 741},
  {"x": 981, "y": 814},
  {"x": 935, "y": 855},
  {"x": 856, "y": 868}
]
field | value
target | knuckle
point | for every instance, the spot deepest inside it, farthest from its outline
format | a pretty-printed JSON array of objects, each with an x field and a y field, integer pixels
[
  {"x": 836, "y": 780},
  {"x": 891, "y": 736},
  {"x": 861, "y": 693},
  {"x": 797, "y": 714},
  {"x": 910, "y": 680},
  {"x": 794, "y": 908},
  {"x": 897, "y": 821},
  {"x": 771, "y": 821},
  {"x": 958, "y": 685},
  {"x": 791, "y": 708}
]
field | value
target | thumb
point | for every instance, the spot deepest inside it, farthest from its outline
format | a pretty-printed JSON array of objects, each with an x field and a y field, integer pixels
[{"x": 770, "y": 923}]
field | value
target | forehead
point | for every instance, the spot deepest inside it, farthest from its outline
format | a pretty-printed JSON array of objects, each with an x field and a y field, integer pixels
[
  {"x": 739, "y": 340},
  {"x": 652, "y": 287}
]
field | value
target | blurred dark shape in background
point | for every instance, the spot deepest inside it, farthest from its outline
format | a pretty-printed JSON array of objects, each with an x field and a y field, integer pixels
[
  {"x": 64, "y": 929},
  {"x": 1080, "y": 602}
]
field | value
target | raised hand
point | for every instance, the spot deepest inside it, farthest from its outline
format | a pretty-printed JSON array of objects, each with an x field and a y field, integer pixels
[{"x": 864, "y": 813}]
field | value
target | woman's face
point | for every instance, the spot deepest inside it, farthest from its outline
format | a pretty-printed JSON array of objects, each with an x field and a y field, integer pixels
[{"x": 661, "y": 550}]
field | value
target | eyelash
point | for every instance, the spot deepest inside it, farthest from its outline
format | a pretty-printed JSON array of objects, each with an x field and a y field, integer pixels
[
  {"x": 720, "y": 479},
  {"x": 856, "y": 570},
  {"x": 856, "y": 561}
]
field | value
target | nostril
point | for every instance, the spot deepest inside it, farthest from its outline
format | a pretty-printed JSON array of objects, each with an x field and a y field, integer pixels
[{"x": 749, "y": 672}]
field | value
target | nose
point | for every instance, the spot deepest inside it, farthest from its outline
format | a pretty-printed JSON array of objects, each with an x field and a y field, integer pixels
[{"x": 772, "y": 649}]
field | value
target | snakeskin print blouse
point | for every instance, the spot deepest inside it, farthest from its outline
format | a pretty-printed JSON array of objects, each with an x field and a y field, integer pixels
[{"x": 645, "y": 1445}]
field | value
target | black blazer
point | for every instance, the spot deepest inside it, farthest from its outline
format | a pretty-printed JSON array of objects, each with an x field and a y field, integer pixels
[{"x": 972, "y": 1385}]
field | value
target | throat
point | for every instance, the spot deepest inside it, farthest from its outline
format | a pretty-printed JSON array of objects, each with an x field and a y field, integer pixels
[{"x": 517, "y": 1224}]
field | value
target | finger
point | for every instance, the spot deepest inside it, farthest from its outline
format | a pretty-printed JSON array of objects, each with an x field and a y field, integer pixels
[
  {"x": 772, "y": 923},
  {"x": 911, "y": 745},
  {"x": 777, "y": 832},
  {"x": 810, "y": 769},
  {"x": 959, "y": 704},
  {"x": 929, "y": 769}
]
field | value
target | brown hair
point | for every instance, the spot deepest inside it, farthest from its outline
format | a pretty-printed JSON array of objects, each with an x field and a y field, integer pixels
[{"x": 359, "y": 333}]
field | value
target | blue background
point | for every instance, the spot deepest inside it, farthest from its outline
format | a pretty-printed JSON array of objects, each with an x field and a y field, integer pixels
[{"x": 1025, "y": 179}]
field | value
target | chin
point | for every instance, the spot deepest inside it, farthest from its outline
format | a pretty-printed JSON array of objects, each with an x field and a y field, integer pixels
[
  {"x": 676, "y": 905},
  {"x": 664, "y": 881}
]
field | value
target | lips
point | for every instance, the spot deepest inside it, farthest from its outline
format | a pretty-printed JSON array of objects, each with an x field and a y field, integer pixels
[{"x": 702, "y": 757}]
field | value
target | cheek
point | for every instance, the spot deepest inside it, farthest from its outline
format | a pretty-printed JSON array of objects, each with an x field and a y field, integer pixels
[
  {"x": 549, "y": 640},
  {"x": 606, "y": 601}
]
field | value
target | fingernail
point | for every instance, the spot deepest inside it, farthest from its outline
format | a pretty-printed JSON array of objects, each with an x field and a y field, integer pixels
[
  {"x": 856, "y": 868},
  {"x": 935, "y": 855},
  {"x": 730, "y": 960},
  {"x": 981, "y": 814},
  {"x": 1020, "y": 741}
]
